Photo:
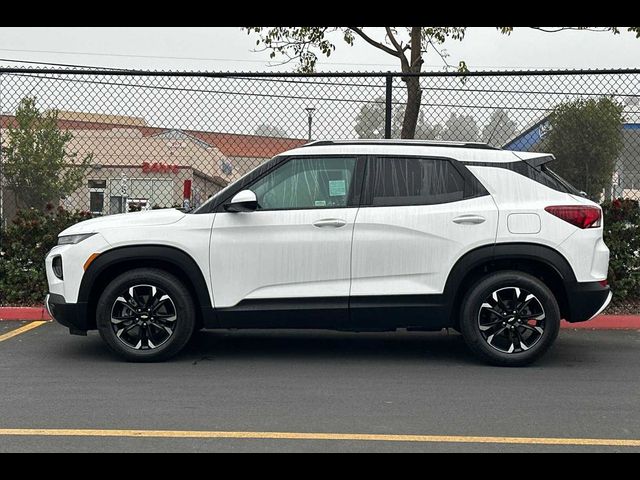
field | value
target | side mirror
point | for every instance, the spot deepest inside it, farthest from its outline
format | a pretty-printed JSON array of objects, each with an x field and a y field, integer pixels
[{"x": 243, "y": 201}]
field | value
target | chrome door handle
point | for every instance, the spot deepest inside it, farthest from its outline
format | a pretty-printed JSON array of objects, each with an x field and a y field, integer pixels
[
  {"x": 330, "y": 222},
  {"x": 469, "y": 219}
]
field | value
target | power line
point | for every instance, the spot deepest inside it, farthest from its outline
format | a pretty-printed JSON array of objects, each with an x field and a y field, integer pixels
[
  {"x": 162, "y": 57},
  {"x": 73, "y": 65}
]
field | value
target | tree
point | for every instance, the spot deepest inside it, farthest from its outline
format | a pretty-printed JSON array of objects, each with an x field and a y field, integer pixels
[
  {"x": 586, "y": 138},
  {"x": 370, "y": 122},
  {"x": 500, "y": 128},
  {"x": 461, "y": 128},
  {"x": 37, "y": 166},
  {"x": 407, "y": 44},
  {"x": 267, "y": 130}
]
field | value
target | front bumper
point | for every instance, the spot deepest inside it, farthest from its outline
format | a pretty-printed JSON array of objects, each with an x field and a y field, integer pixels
[
  {"x": 586, "y": 300},
  {"x": 71, "y": 315}
]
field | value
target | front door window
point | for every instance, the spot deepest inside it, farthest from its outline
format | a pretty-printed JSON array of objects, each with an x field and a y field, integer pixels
[{"x": 304, "y": 183}]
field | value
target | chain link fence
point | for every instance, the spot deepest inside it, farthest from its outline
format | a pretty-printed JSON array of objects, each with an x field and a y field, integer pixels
[
  {"x": 110, "y": 141},
  {"x": 144, "y": 140}
]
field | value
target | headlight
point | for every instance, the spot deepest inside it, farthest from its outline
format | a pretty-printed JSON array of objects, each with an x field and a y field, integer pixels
[{"x": 73, "y": 239}]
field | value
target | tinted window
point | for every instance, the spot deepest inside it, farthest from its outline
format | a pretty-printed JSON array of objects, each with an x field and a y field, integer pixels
[
  {"x": 413, "y": 181},
  {"x": 542, "y": 174},
  {"x": 306, "y": 183}
]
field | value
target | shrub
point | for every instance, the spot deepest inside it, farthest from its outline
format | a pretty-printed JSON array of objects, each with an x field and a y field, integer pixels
[
  {"x": 622, "y": 236},
  {"x": 25, "y": 243}
]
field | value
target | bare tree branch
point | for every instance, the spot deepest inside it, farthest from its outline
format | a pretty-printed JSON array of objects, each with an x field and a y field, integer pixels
[
  {"x": 562, "y": 29},
  {"x": 400, "y": 50},
  {"x": 358, "y": 31}
]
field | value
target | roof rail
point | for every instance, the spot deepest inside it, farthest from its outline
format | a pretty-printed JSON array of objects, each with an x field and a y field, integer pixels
[{"x": 417, "y": 143}]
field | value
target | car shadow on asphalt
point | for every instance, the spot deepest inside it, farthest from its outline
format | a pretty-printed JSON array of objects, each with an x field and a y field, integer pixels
[
  {"x": 301, "y": 346},
  {"x": 321, "y": 345},
  {"x": 574, "y": 349}
]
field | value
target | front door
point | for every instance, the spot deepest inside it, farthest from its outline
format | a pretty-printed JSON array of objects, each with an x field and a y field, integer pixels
[{"x": 292, "y": 256}]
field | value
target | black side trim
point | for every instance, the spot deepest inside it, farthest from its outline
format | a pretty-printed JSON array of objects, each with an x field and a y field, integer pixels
[
  {"x": 585, "y": 299},
  {"x": 507, "y": 251},
  {"x": 71, "y": 315},
  {"x": 363, "y": 314},
  {"x": 149, "y": 253},
  {"x": 490, "y": 254},
  {"x": 388, "y": 312},
  {"x": 320, "y": 312}
]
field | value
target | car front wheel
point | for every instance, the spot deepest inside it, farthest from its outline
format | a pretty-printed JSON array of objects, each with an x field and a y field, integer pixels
[{"x": 146, "y": 315}]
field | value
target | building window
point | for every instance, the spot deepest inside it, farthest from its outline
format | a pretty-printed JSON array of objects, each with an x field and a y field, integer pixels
[
  {"x": 96, "y": 202},
  {"x": 98, "y": 184},
  {"x": 96, "y": 196}
]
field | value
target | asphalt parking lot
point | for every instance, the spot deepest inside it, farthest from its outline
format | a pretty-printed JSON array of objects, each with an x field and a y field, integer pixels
[{"x": 237, "y": 391}]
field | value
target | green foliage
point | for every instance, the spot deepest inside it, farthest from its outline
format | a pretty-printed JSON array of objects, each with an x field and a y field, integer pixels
[
  {"x": 25, "y": 243},
  {"x": 622, "y": 236},
  {"x": 586, "y": 139},
  {"x": 303, "y": 44},
  {"x": 37, "y": 166}
]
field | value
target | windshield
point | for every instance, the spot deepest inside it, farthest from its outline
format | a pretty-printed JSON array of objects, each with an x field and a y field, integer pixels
[
  {"x": 204, "y": 208},
  {"x": 211, "y": 199}
]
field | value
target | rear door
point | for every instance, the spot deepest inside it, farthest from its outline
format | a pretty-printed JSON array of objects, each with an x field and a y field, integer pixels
[{"x": 418, "y": 216}]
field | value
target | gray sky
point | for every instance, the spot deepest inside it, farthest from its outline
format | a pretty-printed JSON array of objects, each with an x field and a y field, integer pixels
[
  {"x": 229, "y": 49},
  {"x": 237, "y": 105}
]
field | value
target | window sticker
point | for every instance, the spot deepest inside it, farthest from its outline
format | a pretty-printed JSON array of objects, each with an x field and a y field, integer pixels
[
  {"x": 337, "y": 188},
  {"x": 320, "y": 203}
]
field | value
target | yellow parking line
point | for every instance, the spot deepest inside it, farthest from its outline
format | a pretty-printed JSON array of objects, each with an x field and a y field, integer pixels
[
  {"x": 22, "y": 329},
  {"x": 363, "y": 437}
]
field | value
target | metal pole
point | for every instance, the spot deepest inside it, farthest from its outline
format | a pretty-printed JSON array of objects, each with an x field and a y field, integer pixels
[
  {"x": 310, "y": 118},
  {"x": 387, "y": 111},
  {"x": 1, "y": 170}
]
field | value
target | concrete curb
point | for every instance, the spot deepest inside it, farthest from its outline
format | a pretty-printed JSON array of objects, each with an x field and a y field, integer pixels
[{"x": 601, "y": 322}]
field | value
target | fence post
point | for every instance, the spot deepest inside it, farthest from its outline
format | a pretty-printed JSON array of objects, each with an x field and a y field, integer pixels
[
  {"x": 1, "y": 169},
  {"x": 388, "y": 112}
]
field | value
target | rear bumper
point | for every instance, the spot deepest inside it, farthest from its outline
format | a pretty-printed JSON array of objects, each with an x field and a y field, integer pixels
[
  {"x": 71, "y": 315},
  {"x": 586, "y": 300}
]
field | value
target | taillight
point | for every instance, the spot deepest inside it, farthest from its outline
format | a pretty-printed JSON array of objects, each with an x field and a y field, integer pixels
[{"x": 580, "y": 216}]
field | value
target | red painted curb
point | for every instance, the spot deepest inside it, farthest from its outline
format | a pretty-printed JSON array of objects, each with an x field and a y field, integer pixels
[
  {"x": 601, "y": 322},
  {"x": 607, "y": 322},
  {"x": 24, "y": 313}
]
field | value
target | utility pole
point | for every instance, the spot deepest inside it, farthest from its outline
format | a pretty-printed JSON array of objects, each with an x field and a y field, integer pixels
[{"x": 310, "y": 111}]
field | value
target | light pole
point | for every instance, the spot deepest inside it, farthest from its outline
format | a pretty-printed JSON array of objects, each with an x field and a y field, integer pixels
[{"x": 310, "y": 111}]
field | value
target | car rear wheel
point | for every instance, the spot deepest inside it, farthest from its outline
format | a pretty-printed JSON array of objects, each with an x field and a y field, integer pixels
[
  {"x": 510, "y": 318},
  {"x": 146, "y": 315}
]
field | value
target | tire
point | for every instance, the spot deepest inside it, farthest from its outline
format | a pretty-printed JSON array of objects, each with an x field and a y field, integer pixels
[
  {"x": 501, "y": 337},
  {"x": 146, "y": 315}
]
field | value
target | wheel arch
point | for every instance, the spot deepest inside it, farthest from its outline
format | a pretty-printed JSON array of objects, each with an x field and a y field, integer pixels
[
  {"x": 171, "y": 259},
  {"x": 543, "y": 262}
]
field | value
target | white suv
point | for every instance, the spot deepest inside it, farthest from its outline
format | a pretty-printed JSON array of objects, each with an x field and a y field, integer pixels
[{"x": 347, "y": 235}]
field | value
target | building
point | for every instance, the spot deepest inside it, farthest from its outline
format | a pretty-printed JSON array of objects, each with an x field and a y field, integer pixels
[
  {"x": 626, "y": 178},
  {"x": 130, "y": 171},
  {"x": 135, "y": 166}
]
